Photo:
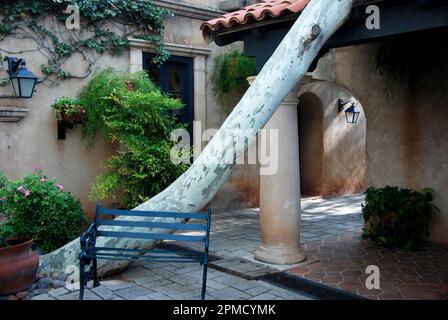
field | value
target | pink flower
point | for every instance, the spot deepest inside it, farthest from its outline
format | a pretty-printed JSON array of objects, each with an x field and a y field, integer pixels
[
  {"x": 42, "y": 180},
  {"x": 60, "y": 186},
  {"x": 27, "y": 192},
  {"x": 37, "y": 168},
  {"x": 46, "y": 197},
  {"x": 20, "y": 188}
]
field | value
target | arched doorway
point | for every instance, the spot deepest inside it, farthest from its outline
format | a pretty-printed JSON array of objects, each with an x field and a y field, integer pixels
[{"x": 311, "y": 143}]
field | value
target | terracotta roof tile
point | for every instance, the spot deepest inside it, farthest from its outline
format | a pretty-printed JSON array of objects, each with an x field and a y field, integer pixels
[{"x": 256, "y": 12}]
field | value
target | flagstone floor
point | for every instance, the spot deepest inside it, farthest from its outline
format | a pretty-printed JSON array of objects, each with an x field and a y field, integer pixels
[
  {"x": 341, "y": 262},
  {"x": 331, "y": 238},
  {"x": 174, "y": 281}
]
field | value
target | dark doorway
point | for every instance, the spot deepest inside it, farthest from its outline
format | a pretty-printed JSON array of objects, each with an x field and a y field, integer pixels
[
  {"x": 310, "y": 144},
  {"x": 175, "y": 77}
]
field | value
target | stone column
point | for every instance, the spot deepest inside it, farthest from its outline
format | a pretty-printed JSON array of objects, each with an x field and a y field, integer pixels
[{"x": 280, "y": 192}]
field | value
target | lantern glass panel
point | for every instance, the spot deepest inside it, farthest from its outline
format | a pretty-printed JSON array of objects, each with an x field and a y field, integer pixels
[
  {"x": 15, "y": 86},
  {"x": 27, "y": 87}
]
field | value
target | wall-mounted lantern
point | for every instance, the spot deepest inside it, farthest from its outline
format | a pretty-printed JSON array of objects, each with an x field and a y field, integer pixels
[
  {"x": 352, "y": 113},
  {"x": 23, "y": 81}
]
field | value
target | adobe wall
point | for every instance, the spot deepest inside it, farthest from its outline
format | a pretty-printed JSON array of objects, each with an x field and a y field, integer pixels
[
  {"x": 407, "y": 136},
  {"x": 33, "y": 140}
]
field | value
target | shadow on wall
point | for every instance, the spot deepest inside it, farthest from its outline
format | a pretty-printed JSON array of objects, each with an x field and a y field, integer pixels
[{"x": 332, "y": 151}]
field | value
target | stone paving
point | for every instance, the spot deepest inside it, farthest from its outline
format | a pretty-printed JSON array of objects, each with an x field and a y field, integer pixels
[
  {"x": 236, "y": 233},
  {"x": 331, "y": 238},
  {"x": 342, "y": 261},
  {"x": 175, "y": 281}
]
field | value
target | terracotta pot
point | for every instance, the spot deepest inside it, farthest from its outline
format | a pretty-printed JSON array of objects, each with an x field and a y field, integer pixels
[{"x": 18, "y": 266}]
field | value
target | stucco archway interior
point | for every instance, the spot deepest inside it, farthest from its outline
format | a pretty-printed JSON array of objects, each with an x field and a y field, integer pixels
[{"x": 332, "y": 151}]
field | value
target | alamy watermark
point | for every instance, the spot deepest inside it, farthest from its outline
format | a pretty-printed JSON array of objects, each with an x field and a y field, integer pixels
[
  {"x": 226, "y": 147},
  {"x": 73, "y": 21},
  {"x": 373, "y": 21},
  {"x": 373, "y": 280}
]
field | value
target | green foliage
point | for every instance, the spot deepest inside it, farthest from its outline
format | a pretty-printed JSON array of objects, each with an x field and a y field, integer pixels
[
  {"x": 6, "y": 231},
  {"x": 68, "y": 106},
  {"x": 140, "y": 18},
  {"x": 37, "y": 206},
  {"x": 3, "y": 181},
  {"x": 128, "y": 109},
  {"x": 229, "y": 77},
  {"x": 94, "y": 95},
  {"x": 397, "y": 217}
]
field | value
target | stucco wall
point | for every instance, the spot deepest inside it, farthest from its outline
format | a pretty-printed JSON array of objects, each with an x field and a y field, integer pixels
[
  {"x": 407, "y": 139},
  {"x": 33, "y": 140}
]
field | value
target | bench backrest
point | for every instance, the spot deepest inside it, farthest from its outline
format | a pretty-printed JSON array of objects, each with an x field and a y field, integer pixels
[{"x": 204, "y": 225}]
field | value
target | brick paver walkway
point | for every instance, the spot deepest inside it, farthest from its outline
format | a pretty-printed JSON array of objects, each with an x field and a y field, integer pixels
[{"x": 175, "y": 281}]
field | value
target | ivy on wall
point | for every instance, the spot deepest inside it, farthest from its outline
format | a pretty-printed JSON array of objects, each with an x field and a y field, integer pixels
[{"x": 44, "y": 23}]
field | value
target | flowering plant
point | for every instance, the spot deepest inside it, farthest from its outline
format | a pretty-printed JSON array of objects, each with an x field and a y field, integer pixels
[
  {"x": 67, "y": 107},
  {"x": 38, "y": 207}
]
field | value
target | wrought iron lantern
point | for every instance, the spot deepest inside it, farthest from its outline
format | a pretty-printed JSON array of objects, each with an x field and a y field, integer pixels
[
  {"x": 351, "y": 113},
  {"x": 23, "y": 81}
]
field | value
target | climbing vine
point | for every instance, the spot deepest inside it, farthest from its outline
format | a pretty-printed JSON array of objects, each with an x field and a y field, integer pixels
[{"x": 104, "y": 28}]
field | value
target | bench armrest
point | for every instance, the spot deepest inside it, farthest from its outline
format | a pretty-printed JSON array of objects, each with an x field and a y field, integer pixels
[{"x": 88, "y": 240}]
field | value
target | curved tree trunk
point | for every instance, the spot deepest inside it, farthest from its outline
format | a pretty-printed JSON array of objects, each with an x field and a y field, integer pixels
[{"x": 197, "y": 186}]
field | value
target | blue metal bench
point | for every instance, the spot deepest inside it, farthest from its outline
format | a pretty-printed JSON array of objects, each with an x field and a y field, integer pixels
[{"x": 90, "y": 252}]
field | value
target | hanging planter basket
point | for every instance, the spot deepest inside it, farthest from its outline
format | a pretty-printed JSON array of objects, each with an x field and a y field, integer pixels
[{"x": 74, "y": 118}]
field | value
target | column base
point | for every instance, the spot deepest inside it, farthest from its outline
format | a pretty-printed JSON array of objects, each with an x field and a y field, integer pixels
[{"x": 280, "y": 255}]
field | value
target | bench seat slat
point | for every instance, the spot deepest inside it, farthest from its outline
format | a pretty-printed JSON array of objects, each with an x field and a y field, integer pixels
[
  {"x": 151, "y": 260},
  {"x": 174, "y": 255},
  {"x": 155, "y": 236},
  {"x": 144, "y": 224},
  {"x": 157, "y": 251},
  {"x": 162, "y": 214}
]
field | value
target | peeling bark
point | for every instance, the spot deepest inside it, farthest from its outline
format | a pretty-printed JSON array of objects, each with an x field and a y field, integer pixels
[{"x": 197, "y": 186}]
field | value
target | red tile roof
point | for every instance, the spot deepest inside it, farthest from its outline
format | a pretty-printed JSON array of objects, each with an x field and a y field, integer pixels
[{"x": 257, "y": 12}]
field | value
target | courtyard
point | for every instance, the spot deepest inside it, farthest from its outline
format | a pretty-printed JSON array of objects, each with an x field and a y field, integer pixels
[
  {"x": 337, "y": 258},
  {"x": 144, "y": 124}
]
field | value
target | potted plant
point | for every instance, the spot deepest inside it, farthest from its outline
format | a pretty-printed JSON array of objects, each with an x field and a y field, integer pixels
[
  {"x": 68, "y": 110},
  {"x": 18, "y": 264},
  {"x": 39, "y": 215}
]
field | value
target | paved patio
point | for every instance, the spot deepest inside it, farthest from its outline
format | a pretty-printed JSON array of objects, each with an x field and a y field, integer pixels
[
  {"x": 341, "y": 262},
  {"x": 337, "y": 257},
  {"x": 175, "y": 281},
  {"x": 236, "y": 233}
]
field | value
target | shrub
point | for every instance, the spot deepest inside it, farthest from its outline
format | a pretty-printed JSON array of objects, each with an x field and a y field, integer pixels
[
  {"x": 37, "y": 206},
  {"x": 129, "y": 109},
  {"x": 397, "y": 217}
]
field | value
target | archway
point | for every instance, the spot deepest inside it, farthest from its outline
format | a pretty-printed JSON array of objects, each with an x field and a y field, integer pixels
[{"x": 311, "y": 143}]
